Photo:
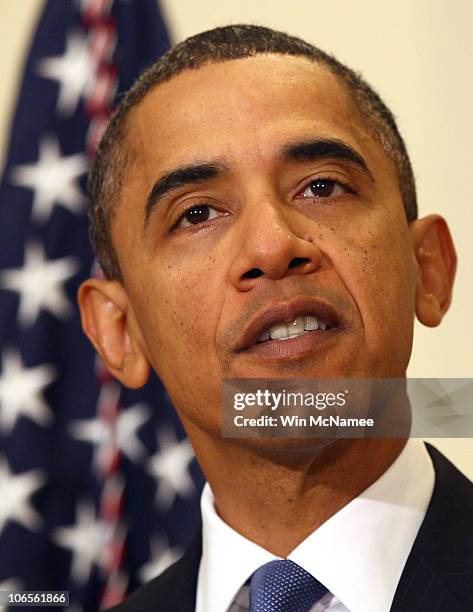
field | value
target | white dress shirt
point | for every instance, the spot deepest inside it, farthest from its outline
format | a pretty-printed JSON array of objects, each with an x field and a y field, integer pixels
[{"x": 358, "y": 554}]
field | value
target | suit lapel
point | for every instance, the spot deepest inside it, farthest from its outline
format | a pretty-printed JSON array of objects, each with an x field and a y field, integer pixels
[{"x": 439, "y": 571}]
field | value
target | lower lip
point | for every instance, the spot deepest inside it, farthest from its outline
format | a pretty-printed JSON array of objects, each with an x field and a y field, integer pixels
[{"x": 295, "y": 347}]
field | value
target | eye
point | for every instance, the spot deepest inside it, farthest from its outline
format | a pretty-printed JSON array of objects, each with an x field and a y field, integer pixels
[
  {"x": 196, "y": 215},
  {"x": 324, "y": 188}
]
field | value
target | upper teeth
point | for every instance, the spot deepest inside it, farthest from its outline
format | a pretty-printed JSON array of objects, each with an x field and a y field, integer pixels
[{"x": 285, "y": 331}]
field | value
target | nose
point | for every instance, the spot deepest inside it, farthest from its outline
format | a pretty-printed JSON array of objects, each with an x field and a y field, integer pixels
[{"x": 275, "y": 245}]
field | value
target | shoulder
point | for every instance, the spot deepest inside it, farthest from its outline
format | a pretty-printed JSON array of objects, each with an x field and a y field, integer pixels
[
  {"x": 447, "y": 530},
  {"x": 453, "y": 493},
  {"x": 172, "y": 591},
  {"x": 439, "y": 571},
  {"x": 152, "y": 595}
]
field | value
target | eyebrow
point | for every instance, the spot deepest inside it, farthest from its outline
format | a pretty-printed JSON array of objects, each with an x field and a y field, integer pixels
[
  {"x": 181, "y": 177},
  {"x": 312, "y": 150}
]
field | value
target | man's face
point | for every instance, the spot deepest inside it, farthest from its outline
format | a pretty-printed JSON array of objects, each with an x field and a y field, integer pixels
[{"x": 265, "y": 223}]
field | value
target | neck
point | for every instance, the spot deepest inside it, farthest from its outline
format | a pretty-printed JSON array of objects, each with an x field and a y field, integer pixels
[{"x": 276, "y": 498}]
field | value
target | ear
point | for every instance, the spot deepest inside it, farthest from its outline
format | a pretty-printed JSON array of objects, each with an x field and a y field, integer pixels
[
  {"x": 437, "y": 261},
  {"x": 108, "y": 321}
]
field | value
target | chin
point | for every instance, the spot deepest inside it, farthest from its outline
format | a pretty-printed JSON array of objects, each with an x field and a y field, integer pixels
[{"x": 284, "y": 446}]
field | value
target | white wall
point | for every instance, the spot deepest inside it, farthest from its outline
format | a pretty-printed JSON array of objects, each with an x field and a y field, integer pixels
[{"x": 417, "y": 54}]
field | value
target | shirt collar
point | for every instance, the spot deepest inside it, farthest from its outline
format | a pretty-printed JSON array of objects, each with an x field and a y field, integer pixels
[
  {"x": 228, "y": 559},
  {"x": 358, "y": 554}
]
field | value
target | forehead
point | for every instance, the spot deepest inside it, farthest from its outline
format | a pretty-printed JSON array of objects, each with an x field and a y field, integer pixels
[{"x": 253, "y": 101}]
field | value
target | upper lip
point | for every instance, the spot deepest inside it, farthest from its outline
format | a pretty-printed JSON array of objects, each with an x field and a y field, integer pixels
[{"x": 286, "y": 311}]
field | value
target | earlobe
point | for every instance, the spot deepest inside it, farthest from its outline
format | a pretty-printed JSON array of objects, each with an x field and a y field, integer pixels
[
  {"x": 436, "y": 259},
  {"x": 106, "y": 320}
]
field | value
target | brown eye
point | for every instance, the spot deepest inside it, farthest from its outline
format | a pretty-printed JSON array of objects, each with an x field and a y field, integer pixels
[
  {"x": 197, "y": 214},
  {"x": 323, "y": 188},
  {"x": 200, "y": 213}
]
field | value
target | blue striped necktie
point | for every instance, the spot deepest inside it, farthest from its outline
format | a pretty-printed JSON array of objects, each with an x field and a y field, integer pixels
[{"x": 284, "y": 586}]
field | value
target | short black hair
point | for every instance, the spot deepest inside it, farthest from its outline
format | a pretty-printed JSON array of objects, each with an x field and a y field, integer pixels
[{"x": 211, "y": 47}]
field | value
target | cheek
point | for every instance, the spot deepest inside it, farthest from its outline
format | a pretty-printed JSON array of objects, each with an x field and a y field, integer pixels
[
  {"x": 182, "y": 309},
  {"x": 183, "y": 342},
  {"x": 377, "y": 269}
]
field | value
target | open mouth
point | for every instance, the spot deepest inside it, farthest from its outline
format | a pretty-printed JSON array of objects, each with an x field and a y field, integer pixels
[
  {"x": 294, "y": 338},
  {"x": 292, "y": 327},
  {"x": 287, "y": 330}
]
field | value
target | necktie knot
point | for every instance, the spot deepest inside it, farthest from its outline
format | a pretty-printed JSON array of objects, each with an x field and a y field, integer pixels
[{"x": 284, "y": 586}]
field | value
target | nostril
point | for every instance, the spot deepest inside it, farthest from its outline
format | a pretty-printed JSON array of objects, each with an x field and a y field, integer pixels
[
  {"x": 253, "y": 273},
  {"x": 298, "y": 261}
]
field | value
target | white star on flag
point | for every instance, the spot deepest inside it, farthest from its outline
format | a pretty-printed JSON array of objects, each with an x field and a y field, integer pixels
[
  {"x": 53, "y": 179},
  {"x": 21, "y": 392},
  {"x": 74, "y": 71},
  {"x": 124, "y": 435},
  {"x": 87, "y": 539},
  {"x": 169, "y": 466},
  {"x": 39, "y": 283},
  {"x": 162, "y": 556},
  {"x": 15, "y": 491}
]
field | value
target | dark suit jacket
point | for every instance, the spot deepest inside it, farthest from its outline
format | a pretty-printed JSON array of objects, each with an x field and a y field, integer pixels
[{"x": 438, "y": 576}]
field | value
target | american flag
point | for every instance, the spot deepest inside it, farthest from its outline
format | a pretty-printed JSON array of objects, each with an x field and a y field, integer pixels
[{"x": 99, "y": 487}]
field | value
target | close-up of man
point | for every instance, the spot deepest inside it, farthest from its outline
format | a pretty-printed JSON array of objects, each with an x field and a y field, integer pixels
[{"x": 253, "y": 209}]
